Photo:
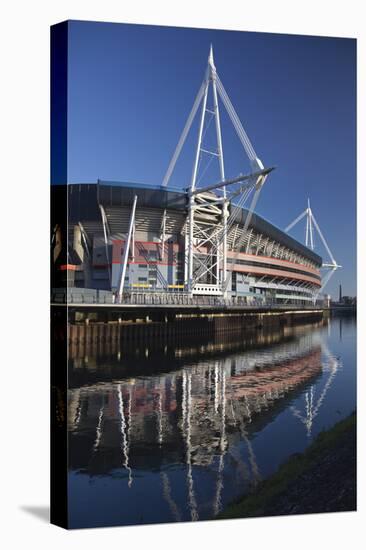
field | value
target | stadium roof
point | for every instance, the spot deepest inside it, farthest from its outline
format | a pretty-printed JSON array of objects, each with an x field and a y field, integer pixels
[{"x": 115, "y": 193}]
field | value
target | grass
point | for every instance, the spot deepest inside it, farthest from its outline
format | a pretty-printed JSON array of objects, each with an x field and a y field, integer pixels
[{"x": 254, "y": 504}]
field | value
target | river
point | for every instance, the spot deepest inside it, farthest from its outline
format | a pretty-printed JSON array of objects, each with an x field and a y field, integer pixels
[{"x": 170, "y": 433}]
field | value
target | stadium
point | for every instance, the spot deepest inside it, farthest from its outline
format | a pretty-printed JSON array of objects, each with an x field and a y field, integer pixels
[{"x": 263, "y": 263}]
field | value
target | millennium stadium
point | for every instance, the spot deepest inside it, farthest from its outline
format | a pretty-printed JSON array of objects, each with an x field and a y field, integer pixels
[
  {"x": 120, "y": 242},
  {"x": 263, "y": 262}
]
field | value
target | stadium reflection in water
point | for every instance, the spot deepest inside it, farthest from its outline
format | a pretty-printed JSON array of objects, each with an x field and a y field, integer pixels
[{"x": 159, "y": 435}]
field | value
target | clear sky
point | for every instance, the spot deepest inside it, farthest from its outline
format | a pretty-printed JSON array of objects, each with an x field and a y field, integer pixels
[{"x": 132, "y": 87}]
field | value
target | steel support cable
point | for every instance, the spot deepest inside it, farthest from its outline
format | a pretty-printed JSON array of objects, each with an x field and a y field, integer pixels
[
  {"x": 246, "y": 225},
  {"x": 324, "y": 241},
  {"x": 238, "y": 206},
  {"x": 236, "y": 121},
  {"x": 199, "y": 162},
  {"x": 236, "y": 209},
  {"x": 326, "y": 280},
  {"x": 242, "y": 140},
  {"x": 251, "y": 208},
  {"x": 300, "y": 217},
  {"x": 233, "y": 115},
  {"x": 200, "y": 157},
  {"x": 205, "y": 170},
  {"x": 207, "y": 127},
  {"x": 183, "y": 136},
  {"x": 211, "y": 156}
]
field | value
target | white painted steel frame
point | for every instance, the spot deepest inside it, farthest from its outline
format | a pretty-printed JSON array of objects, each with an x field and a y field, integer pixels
[
  {"x": 216, "y": 233},
  {"x": 333, "y": 266},
  {"x": 122, "y": 276}
]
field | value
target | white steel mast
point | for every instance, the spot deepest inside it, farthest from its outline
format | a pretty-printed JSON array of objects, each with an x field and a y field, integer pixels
[
  {"x": 311, "y": 222},
  {"x": 209, "y": 216}
]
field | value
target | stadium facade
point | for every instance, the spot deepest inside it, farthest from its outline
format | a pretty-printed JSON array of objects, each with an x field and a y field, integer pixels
[{"x": 264, "y": 264}]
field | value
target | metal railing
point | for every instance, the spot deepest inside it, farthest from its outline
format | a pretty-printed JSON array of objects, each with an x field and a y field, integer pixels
[
  {"x": 170, "y": 298},
  {"x": 81, "y": 296},
  {"x": 184, "y": 299}
]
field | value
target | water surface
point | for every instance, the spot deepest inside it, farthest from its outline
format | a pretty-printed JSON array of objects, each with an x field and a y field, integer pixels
[{"x": 175, "y": 432}]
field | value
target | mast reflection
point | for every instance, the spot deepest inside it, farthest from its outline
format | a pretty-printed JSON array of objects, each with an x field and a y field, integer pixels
[
  {"x": 192, "y": 407},
  {"x": 330, "y": 365}
]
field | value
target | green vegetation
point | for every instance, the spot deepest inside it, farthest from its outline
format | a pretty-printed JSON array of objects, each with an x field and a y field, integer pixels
[{"x": 265, "y": 500}]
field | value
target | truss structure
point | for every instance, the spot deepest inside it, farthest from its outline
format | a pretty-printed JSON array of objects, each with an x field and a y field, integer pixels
[
  {"x": 211, "y": 212},
  {"x": 331, "y": 266}
]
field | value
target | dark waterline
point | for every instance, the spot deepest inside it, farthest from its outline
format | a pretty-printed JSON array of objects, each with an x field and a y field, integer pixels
[{"x": 175, "y": 433}]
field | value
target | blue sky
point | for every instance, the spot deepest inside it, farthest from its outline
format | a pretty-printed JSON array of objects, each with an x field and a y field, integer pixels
[{"x": 132, "y": 87}]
